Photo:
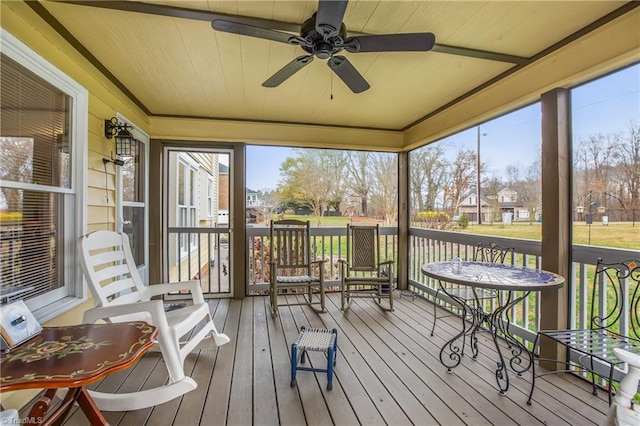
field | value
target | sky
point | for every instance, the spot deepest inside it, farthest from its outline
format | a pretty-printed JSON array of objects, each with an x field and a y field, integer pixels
[{"x": 606, "y": 105}]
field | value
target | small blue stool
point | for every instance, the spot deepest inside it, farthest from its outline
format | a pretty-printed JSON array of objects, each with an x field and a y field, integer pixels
[{"x": 319, "y": 340}]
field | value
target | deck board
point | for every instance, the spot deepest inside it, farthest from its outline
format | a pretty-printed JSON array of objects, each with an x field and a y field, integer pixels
[{"x": 388, "y": 372}]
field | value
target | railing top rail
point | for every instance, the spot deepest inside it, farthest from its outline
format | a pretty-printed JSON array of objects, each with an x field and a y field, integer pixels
[
  {"x": 324, "y": 231},
  {"x": 590, "y": 254},
  {"x": 520, "y": 245},
  {"x": 197, "y": 230}
]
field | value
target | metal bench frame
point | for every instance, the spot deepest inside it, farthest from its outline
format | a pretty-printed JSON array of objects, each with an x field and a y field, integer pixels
[{"x": 592, "y": 350}]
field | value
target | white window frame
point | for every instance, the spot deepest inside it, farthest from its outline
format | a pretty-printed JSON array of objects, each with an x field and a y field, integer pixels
[
  {"x": 191, "y": 167},
  {"x": 58, "y": 301}
]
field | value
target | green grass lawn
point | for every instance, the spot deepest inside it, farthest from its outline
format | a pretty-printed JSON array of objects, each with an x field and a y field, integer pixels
[
  {"x": 623, "y": 235},
  {"x": 620, "y": 234}
]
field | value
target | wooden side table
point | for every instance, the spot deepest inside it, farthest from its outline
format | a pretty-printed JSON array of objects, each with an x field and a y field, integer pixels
[{"x": 72, "y": 357}]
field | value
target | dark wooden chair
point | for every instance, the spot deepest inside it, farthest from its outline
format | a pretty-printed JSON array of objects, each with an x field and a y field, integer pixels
[
  {"x": 363, "y": 273},
  {"x": 294, "y": 266},
  {"x": 592, "y": 350}
]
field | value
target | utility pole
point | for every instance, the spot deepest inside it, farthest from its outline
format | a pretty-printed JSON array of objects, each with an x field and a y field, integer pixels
[
  {"x": 590, "y": 215},
  {"x": 478, "y": 177}
]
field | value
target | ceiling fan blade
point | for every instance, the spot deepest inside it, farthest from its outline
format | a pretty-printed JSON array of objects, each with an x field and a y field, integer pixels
[
  {"x": 329, "y": 17},
  {"x": 258, "y": 32},
  {"x": 347, "y": 73},
  {"x": 258, "y": 22},
  {"x": 288, "y": 70},
  {"x": 411, "y": 42}
]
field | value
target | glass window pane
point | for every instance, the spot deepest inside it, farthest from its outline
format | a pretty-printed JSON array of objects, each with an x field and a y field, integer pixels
[
  {"x": 133, "y": 176},
  {"x": 606, "y": 155},
  {"x": 35, "y": 148},
  {"x": 192, "y": 187},
  {"x": 133, "y": 226},
  {"x": 470, "y": 181},
  {"x": 36, "y": 116},
  {"x": 181, "y": 184},
  {"x": 31, "y": 233},
  {"x": 332, "y": 187}
]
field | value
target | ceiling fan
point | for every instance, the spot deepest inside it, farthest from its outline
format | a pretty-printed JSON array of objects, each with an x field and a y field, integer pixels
[{"x": 324, "y": 36}]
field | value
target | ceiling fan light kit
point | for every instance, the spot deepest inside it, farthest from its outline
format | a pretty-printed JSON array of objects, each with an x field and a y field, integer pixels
[{"x": 323, "y": 36}]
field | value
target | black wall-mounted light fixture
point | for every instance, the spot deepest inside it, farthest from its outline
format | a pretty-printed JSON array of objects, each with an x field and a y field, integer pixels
[{"x": 125, "y": 142}]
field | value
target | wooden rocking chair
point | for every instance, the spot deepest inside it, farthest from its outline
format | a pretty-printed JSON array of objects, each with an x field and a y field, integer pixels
[
  {"x": 294, "y": 266},
  {"x": 364, "y": 275}
]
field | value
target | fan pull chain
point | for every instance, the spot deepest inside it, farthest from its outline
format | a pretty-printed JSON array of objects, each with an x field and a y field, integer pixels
[{"x": 331, "y": 85}]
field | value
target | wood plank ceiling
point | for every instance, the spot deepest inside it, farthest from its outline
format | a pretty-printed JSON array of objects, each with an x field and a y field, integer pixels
[{"x": 177, "y": 66}]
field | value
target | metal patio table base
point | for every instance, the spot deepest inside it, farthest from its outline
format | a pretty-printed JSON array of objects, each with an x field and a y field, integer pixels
[
  {"x": 521, "y": 358},
  {"x": 517, "y": 282}
]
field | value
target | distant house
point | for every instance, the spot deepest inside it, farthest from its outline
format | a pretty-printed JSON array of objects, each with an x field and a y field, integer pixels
[
  {"x": 253, "y": 200},
  {"x": 469, "y": 206},
  {"x": 493, "y": 206}
]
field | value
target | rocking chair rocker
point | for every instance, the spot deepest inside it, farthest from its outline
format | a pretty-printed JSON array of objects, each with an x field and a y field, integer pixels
[{"x": 120, "y": 295}]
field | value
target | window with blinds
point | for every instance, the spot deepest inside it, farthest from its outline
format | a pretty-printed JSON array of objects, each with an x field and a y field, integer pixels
[{"x": 35, "y": 178}]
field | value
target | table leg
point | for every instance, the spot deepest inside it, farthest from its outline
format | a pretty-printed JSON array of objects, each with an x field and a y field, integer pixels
[
  {"x": 451, "y": 352},
  {"x": 521, "y": 357},
  {"x": 80, "y": 395},
  {"x": 502, "y": 375},
  {"x": 479, "y": 317},
  {"x": 90, "y": 409},
  {"x": 40, "y": 408},
  {"x": 519, "y": 352}
]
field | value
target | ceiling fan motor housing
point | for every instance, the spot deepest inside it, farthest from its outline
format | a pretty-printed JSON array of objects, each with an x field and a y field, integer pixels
[{"x": 321, "y": 48}]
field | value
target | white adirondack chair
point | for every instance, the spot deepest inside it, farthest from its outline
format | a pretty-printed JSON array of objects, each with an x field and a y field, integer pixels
[
  {"x": 120, "y": 295},
  {"x": 622, "y": 411}
]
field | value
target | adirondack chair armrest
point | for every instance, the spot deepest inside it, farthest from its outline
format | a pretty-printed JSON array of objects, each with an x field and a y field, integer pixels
[
  {"x": 155, "y": 308},
  {"x": 160, "y": 289}
]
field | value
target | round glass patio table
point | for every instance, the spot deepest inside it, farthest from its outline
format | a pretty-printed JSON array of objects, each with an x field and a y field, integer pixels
[{"x": 516, "y": 282}]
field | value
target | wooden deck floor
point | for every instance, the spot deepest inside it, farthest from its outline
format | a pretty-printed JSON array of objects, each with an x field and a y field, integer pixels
[{"x": 387, "y": 372}]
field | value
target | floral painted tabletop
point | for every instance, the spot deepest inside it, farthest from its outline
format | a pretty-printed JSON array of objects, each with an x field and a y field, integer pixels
[{"x": 74, "y": 356}]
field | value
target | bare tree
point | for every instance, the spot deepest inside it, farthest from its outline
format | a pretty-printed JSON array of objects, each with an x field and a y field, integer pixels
[
  {"x": 626, "y": 158},
  {"x": 359, "y": 171},
  {"x": 385, "y": 188},
  {"x": 527, "y": 183},
  {"x": 462, "y": 177},
  {"x": 491, "y": 190},
  {"x": 428, "y": 175},
  {"x": 335, "y": 164},
  {"x": 270, "y": 202},
  {"x": 595, "y": 155}
]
